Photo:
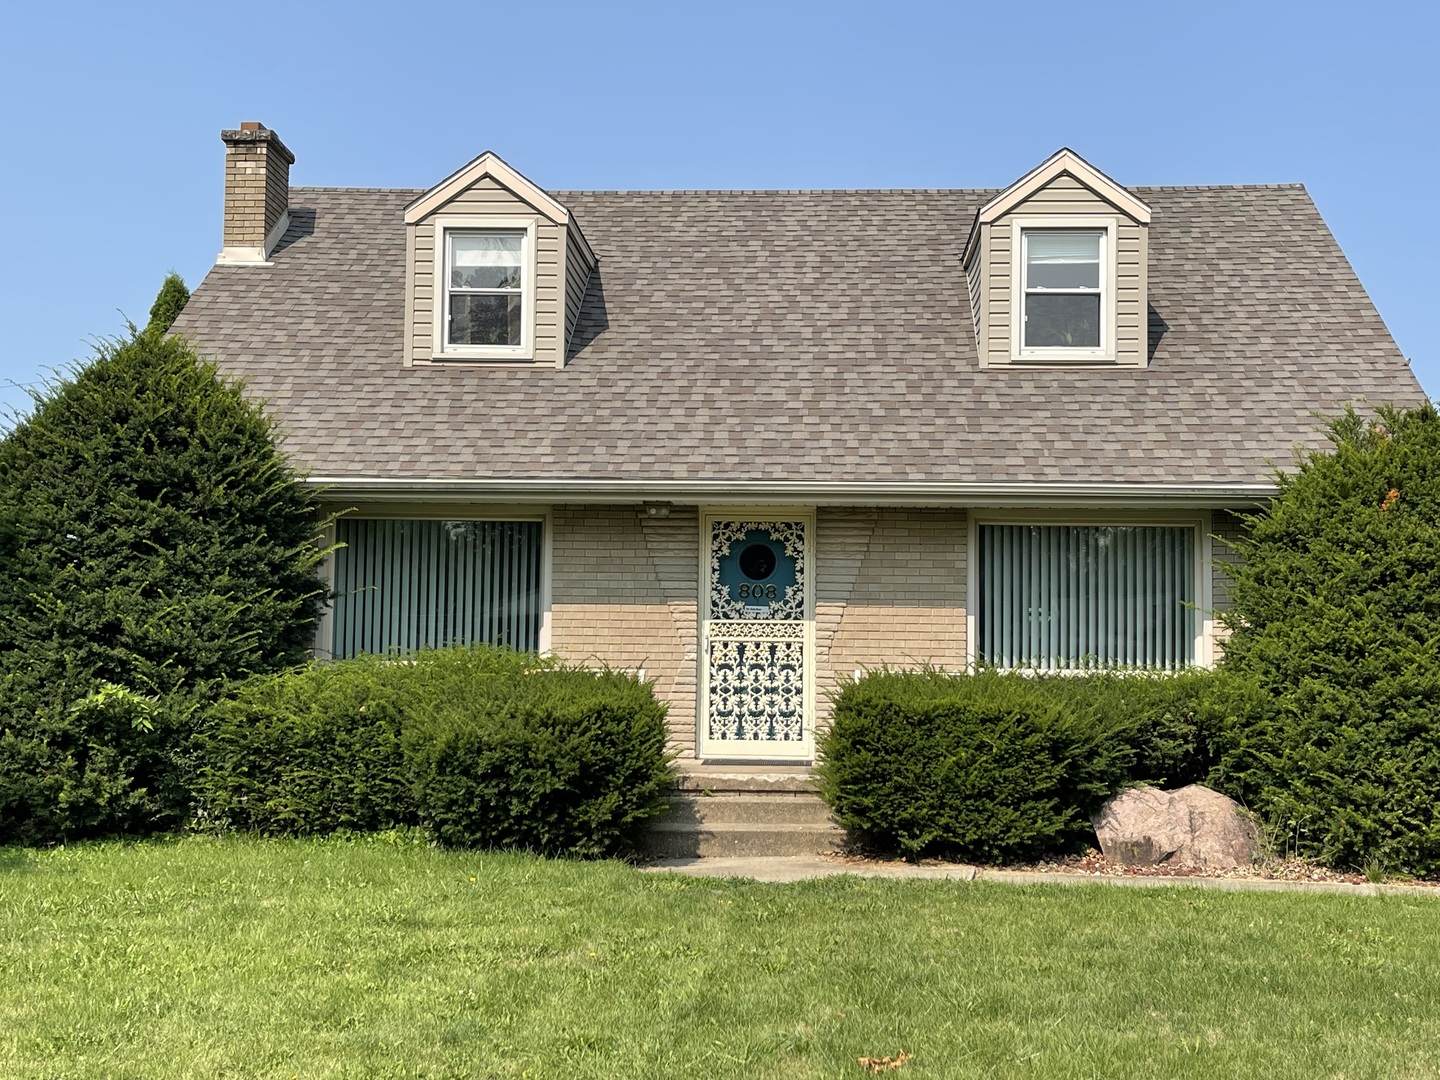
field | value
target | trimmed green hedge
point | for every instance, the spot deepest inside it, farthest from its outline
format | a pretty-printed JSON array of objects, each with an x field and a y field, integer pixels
[
  {"x": 308, "y": 751},
  {"x": 997, "y": 767},
  {"x": 980, "y": 767},
  {"x": 1177, "y": 726},
  {"x": 482, "y": 747},
  {"x": 564, "y": 761}
]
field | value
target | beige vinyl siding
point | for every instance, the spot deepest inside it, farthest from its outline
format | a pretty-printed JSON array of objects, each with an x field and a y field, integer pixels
[
  {"x": 997, "y": 307},
  {"x": 1066, "y": 196},
  {"x": 578, "y": 267},
  {"x": 974, "y": 276},
  {"x": 549, "y": 294},
  {"x": 420, "y": 300},
  {"x": 487, "y": 198},
  {"x": 1132, "y": 323}
]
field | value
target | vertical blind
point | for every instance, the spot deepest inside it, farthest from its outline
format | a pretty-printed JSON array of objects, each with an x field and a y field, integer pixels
[
  {"x": 403, "y": 585},
  {"x": 1068, "y": 597}
]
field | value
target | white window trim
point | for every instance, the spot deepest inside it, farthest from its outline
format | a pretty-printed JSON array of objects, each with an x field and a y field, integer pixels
[
  {"x": 439, "y": 511},
  {"x": 1203, "y": 625},
  {"x": 440, "y": 348},
  {"x": 1109, "y": 228}
]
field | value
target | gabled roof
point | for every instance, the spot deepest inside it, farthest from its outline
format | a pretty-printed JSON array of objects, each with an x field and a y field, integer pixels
[
  {"x": 765, "y": 341},
  {"x": 492, "y": 165},
  {"x": 1063, "y": 161}
]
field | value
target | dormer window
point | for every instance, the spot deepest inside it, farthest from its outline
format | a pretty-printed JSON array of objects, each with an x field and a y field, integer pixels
[
  {"x": 485, "y": 289},
  {"x": 483, "y": 302},
  {"x": 1056, "y": 265},
  {"x": 497, "y": 271},
  {"x": 1063, "y": 289}
]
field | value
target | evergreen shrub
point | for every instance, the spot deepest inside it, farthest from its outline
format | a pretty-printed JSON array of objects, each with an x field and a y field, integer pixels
[
  {"x": 313, "y": 750},
  {"x": 152, "y": 539},
  {"x": 1336, "y": 613},
  {"x": 986, "y": 767},
  {"x": 1000, "y": 766},
  {"x": 1174, "y": 723},
  {"x": 563, "y": 761},
  {"x": 483, "y": 747}
]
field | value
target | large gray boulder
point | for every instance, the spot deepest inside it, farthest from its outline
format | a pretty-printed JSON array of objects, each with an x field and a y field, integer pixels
[{"x": 1192, "y": 826}]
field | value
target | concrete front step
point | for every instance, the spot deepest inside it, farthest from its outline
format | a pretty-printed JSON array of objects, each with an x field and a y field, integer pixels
[
  {"x": 716, "y": 781},
  {"x": 747, "y": 813},
  {"x": 687, "y": 839},
  {"x": 792, "y": 809}
]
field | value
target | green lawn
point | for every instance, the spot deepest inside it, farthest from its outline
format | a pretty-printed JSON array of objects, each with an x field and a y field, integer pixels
[{"x": 225, "y": 957}]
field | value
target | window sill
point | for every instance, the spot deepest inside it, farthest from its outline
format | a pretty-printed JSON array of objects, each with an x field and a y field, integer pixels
[
  {"x": 479, "y": 356},
  {"x": 1062, "y": 356},
  {"x": 1048, "y": 361}
]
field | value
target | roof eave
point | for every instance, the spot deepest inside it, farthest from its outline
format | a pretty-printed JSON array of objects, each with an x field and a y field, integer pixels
[{"x": 829, "y": 492}]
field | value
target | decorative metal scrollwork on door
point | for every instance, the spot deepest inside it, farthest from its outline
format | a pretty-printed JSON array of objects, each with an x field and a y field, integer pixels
[{"x": 757, "y": 638}]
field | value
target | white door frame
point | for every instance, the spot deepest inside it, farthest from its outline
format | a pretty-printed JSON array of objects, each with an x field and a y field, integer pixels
[{"x": 801, "y": 752}]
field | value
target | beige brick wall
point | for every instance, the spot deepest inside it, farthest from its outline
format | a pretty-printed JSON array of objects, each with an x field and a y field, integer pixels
[
  {"x": 889, "y": 588},
  {"x": 624, "y": 591}
]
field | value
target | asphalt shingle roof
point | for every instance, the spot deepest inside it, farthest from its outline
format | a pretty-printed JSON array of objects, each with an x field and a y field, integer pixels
[{"x": 807, "y": 335}]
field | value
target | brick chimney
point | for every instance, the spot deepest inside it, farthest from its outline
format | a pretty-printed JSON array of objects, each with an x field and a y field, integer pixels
[{"x": 257, "y": 193}]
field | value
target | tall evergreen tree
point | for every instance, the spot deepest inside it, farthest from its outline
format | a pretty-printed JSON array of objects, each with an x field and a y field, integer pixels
[
  {"x": 1336, "y": 610},
  {"x": 153, "y": 543},
  {"x": 169, "y": 302}
]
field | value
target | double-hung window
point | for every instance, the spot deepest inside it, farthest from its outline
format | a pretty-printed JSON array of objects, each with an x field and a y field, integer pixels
[
  {"x": 1078, "y": 597},
  {"x": 485, "y": 288},
  {"x": 1063, "y": 290}
]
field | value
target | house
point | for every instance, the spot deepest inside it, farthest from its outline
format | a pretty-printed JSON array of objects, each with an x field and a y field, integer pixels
[{"x": 751, "y": 442}]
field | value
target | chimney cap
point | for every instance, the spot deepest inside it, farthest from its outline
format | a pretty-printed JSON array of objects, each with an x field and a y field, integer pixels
[{"x": 251, "y": 132}]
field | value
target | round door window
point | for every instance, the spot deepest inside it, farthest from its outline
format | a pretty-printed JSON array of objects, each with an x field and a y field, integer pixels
[
  {"x": 756, "y": 573},
  {"x": 757, "y": 561}
]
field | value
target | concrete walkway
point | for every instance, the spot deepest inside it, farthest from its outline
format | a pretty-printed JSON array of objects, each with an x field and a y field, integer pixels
[{"x": 788, "y": 868}]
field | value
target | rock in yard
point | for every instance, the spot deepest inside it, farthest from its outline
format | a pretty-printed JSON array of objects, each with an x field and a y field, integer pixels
[{"x": 1192, "y": 826}]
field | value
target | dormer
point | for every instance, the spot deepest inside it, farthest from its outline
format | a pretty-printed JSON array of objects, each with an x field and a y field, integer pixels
[
  {"x": 1056, "y": 265},
  {"x": 496, "y": 270}
]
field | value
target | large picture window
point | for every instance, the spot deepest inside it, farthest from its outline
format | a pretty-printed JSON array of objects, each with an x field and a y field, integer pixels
[
  {"x": 1078, "y": 597},
  {"x": 1063, "y": 289},
  {"x": 405, "y": 585}
]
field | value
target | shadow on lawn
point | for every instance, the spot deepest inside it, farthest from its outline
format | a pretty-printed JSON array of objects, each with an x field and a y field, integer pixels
[{"x": 13, "y": 860}]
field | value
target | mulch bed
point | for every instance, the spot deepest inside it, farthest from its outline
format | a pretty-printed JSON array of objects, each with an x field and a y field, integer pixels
[{"x": 1093, "y": 864}]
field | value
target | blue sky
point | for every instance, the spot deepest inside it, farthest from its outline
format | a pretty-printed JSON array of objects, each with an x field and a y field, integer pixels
[{"x": 112, "y": 162}]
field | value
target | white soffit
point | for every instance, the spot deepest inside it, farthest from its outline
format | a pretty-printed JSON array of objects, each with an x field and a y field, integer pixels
[{"x": 487, "y": 164}]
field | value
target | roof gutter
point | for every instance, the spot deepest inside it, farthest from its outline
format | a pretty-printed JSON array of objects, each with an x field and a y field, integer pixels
[{"x": 790, "y": 492}]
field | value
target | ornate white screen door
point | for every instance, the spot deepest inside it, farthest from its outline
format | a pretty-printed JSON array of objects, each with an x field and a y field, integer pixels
[{"x": 757, "y": 632}]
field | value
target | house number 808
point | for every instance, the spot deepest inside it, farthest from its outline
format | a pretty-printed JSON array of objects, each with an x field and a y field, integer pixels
[{"x": 757, "y": 592}]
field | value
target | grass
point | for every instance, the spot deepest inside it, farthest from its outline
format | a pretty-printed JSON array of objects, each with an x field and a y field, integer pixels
[{"x": 384, "y": 958}]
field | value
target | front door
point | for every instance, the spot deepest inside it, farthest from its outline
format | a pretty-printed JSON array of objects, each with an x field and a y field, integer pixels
[{"x": 757, "y": 634}]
